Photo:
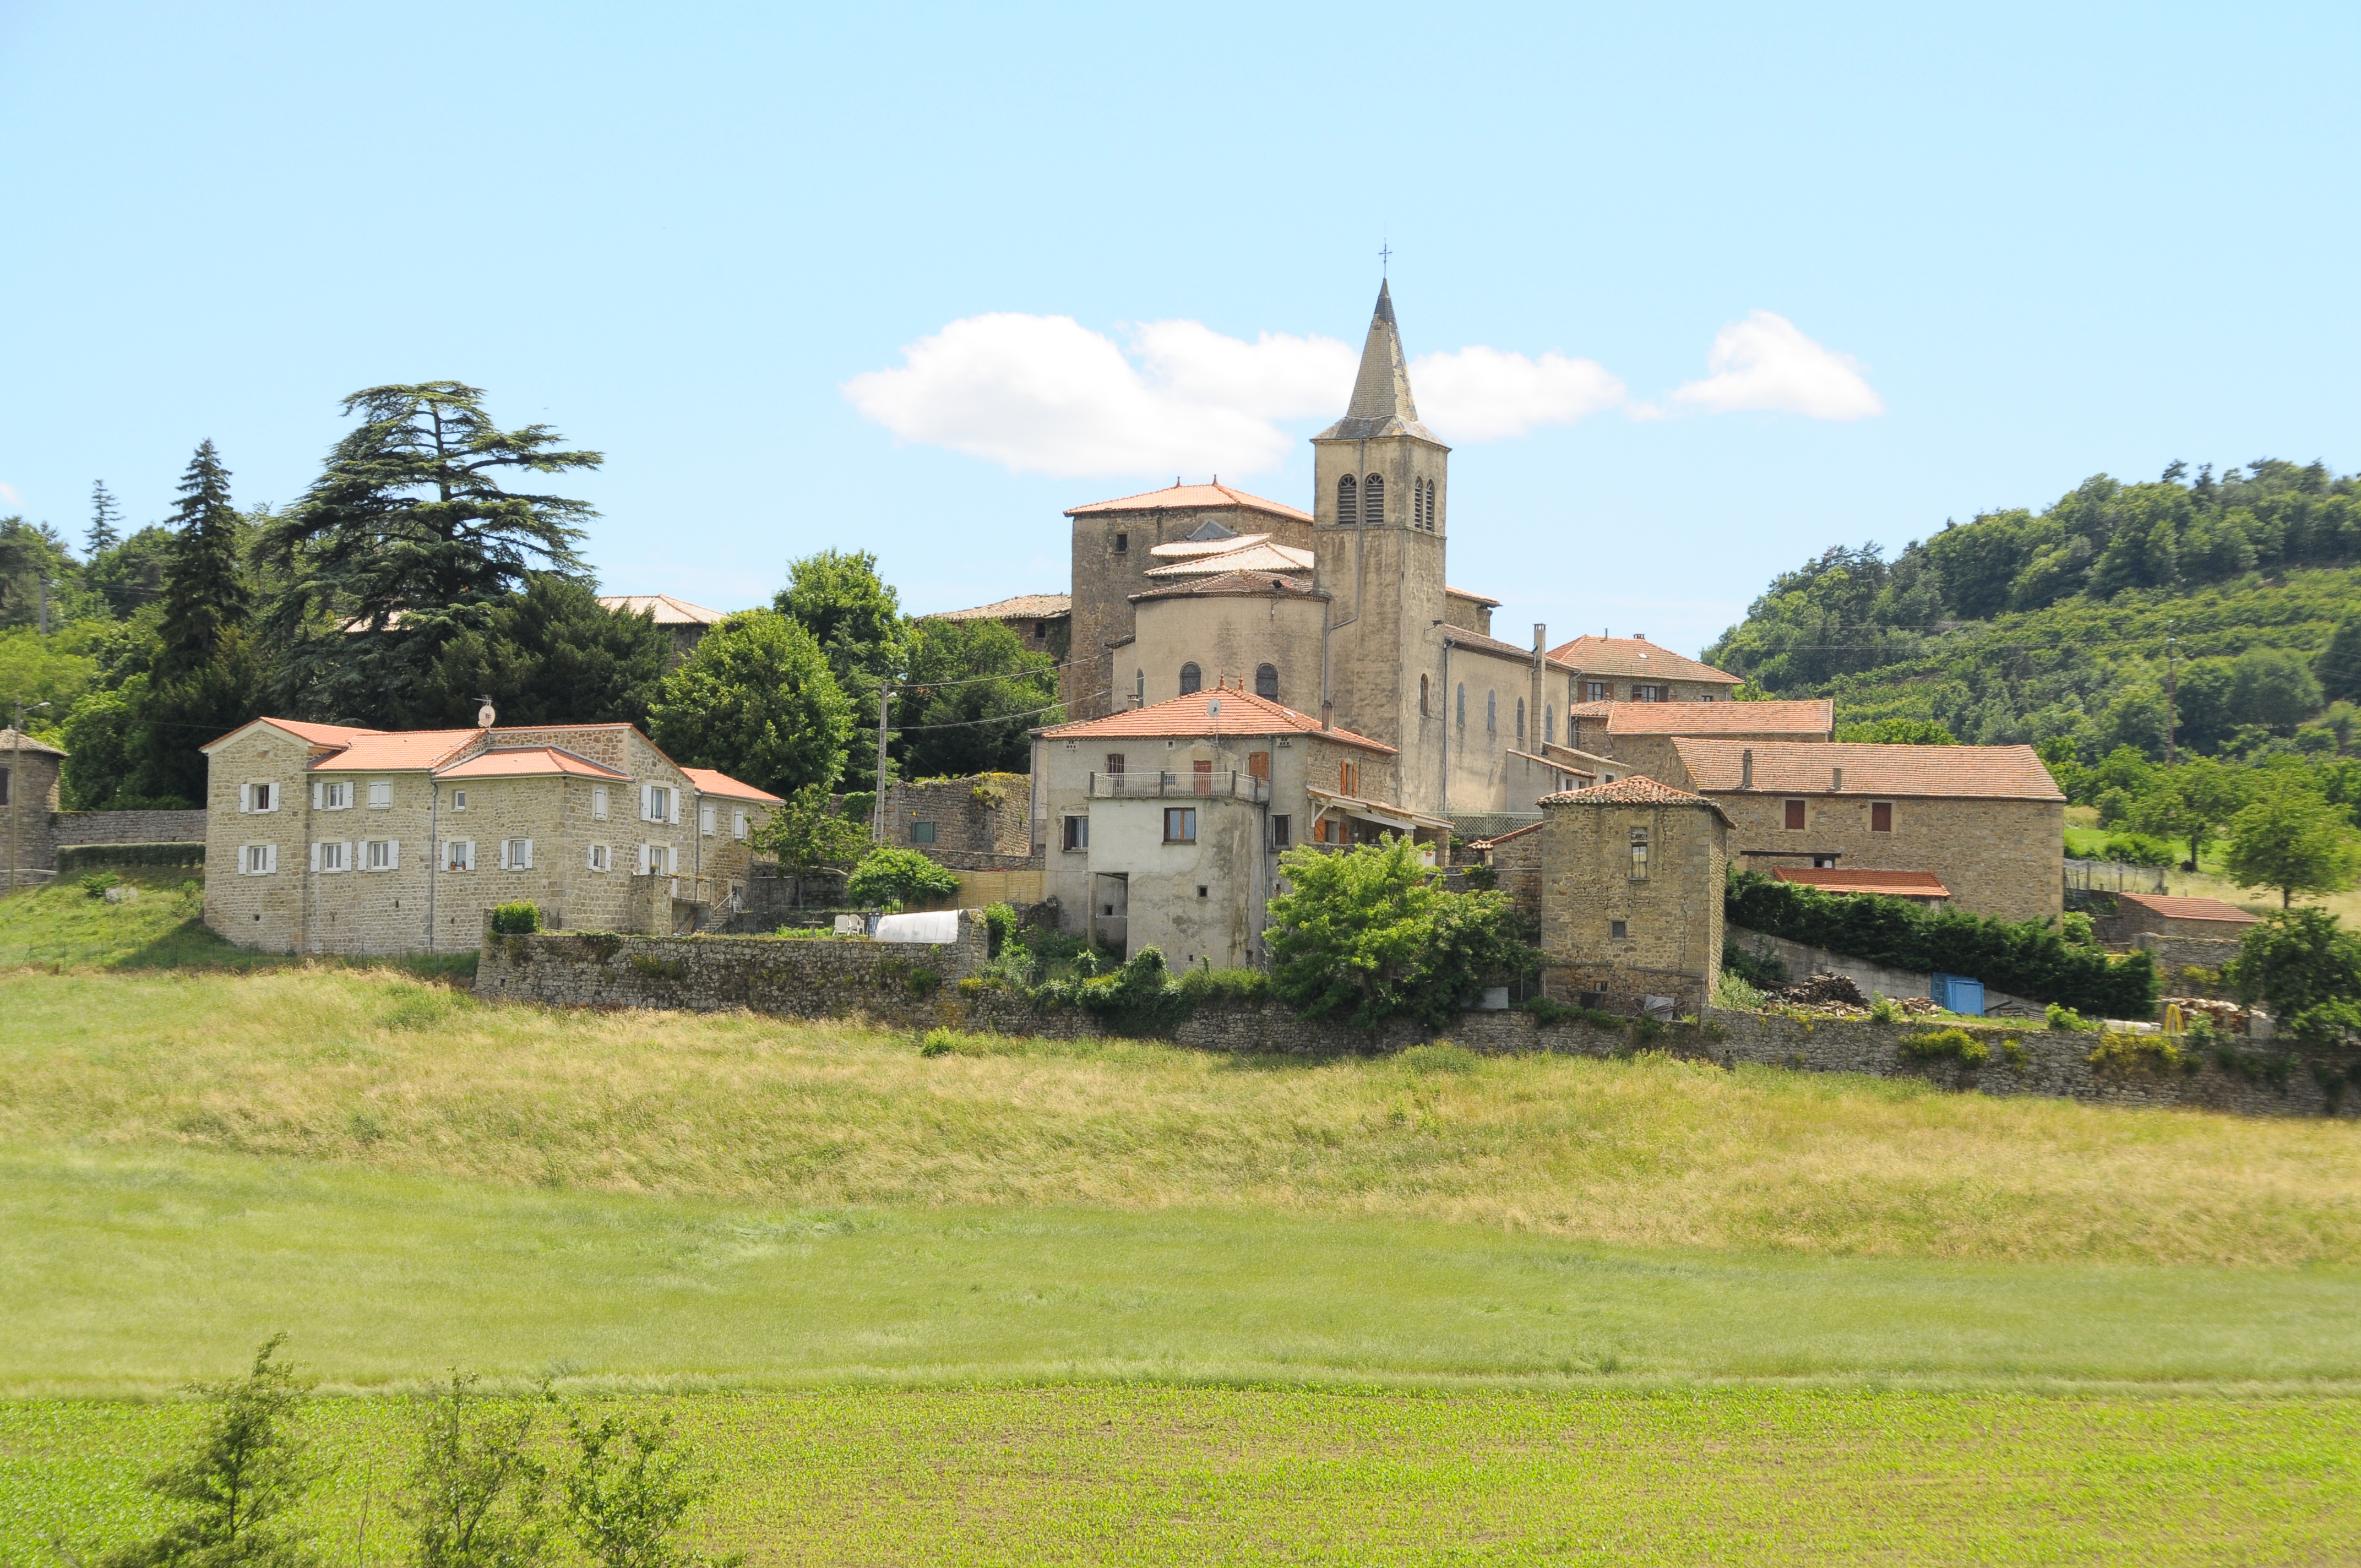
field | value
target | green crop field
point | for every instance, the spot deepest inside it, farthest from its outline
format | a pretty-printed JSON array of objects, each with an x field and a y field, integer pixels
[{"x": 1037, "y": 1301}]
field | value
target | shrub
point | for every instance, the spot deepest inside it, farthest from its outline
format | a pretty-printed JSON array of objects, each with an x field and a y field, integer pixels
[
  {"x": 1368, "y": 934},
  {"x": 2026, "y": 958},
  {"x": 520, "y": 919},
  {"x": 2065, "y": 1019},
  {"x": 2013, "y": 1052},
  {"x": 999, "y": 928},
  {"x": 2154, "y": 1055},
  {"x": 1732, "y": 992},
  {"x": 1224, "y": 985},
  {"x": 2139, "y": 850},
  {"x": 2078, "y": 930},
  {"x": 1884, "y": 1009},
  {"x": 1761, "y": 971},
  {"x": 650, "y": 967},
  {"x": 97, "y": 882},
  {"x": 923, "y": 983},
  {"x": 1139, "y": 996},
  {"x": 1546, "y": 1012},
  {"x": 2296, "y": 958},
  {"x": 1947, "y": 1045},
  {"x": 888, "y": 875},
  {"x": 73, "y": 858},
  {"x": 938, "y": 1043}
]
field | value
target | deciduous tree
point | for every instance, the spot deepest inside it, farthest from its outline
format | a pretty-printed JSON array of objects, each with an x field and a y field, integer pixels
[
  {"x": 553, "y": 655},
  {"x": 755, "y": 700},
  {"x": 2291, "y": 838}
]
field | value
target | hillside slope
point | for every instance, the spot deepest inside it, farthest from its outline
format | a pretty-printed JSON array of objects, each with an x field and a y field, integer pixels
[{"x": 2025, "y": 626}]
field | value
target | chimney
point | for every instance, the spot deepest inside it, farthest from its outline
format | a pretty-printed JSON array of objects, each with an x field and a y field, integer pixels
[
  {"x": 1541, "y": 638},
  {"x": 1327, "y": 715},
  {"x": 1836, "y": 781},
  {"x": 1746, "y": 768}
]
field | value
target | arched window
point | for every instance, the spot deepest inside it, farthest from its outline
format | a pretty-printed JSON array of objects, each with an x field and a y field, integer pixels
[
  {"x": 1373, "y": 500},
  {"x": 1139, "y": 687},
  {"x": 1418, "y": 504},
  {"x": 1491, "y": 713},
  {"x": 1348, "y": 501},
  {"x": 1267, "y": 681},
  {"x": 1463, "y": 704},
  {"x": 1422, "y": 709},
  {"x": 1192, "y": 679},
  {"x": 1520, "y": 719}
]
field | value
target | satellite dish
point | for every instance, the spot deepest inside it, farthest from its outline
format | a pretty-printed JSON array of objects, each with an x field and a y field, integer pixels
[
  {"x": 483, "y": 714},
  {"x": 1214, "y": 706}
]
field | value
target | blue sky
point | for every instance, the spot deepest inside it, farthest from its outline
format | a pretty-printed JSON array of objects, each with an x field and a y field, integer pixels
[{"x": 2040, "y": 242}]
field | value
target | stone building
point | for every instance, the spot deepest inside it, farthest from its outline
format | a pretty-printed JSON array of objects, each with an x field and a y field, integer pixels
[
  {"x": 1043, "y": 623},
  {"x": 1921, "y": 888},
  {"x": 2183, "y": 933},
  {"x": 1164, "y": 824},
  {"x": 1986, "y": 822},
  {"x": 29, "y": 797},
  {"x": 1632, "y": 669},
  {"x": 685, "y": 623},
  {"x": 327, "y": 838},
  {"x": 1631, "y": 878},
  {"x": 1636, "y": 737},
  {"x": 981, "y": 822}
]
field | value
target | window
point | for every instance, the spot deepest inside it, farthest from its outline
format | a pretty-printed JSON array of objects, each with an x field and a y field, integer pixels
[
  {"x": 1348, "y": 501},
  {"x": 738, "y": 825},
  {"x": 1123, "y": 543},
  {"x": 1202, "y": 889},
  {"x": 1618, "y": 931},
  {"x": 1705, "y": 696},
  {"x": 381, "y": 855},
  {"x": 1259, "y": 765},
  {"x": 1596, "y": 690},
  {"x": 516, "y": 854},
  {"x": 1880, "y": 817},
  {"x": 659, "y": 803},
  {"x": 1491, "y": 713},
  {"x": 1039, "y": 627},
  {"x": 326, "y": 857},
  {"x": 1639, "y": 854},
  {"x": 1192, "y": 679},
  {"x": 1422, "y": 709},
  {"x": 458, "y": 854},
  {"x": 1077, "y": 834},
  {"x": 458, "y": 800},
  {"x": 380, "y": 793},
  {"x": 1349, "y": 779},
  {"x": 258, "y": 860},
  {"x": 4, "y": 788},
  {"x": 599, "y": 803},
  {"x": 1461, "y": 700},
  {"x": 708, "y": 821},
  {"x": 1115, "y": 763},
  {"x": 258, "y": 797},
  {"x": 1201, "y": 778},
  {"x": 1647, "y": 694},
  {"x": 1549, "y": 723},
  {"x": 922, "y": 832},
  {"x": 1139, "y": 687},
  {"x": 1179, "y": 824},
  {"x": 1280, "y": 828},
  {"x": 1373, "y": 501},
  {"x": 597, "y": 858},
  {"x": 1520, "y": 719},
  {"x": 331, "y": 796},
  {"x": 1794, "y": 817},
  {"x": 1267, "y": 681}
]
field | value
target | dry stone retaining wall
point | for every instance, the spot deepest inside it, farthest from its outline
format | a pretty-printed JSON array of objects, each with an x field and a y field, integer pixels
[{"x": 128, "y": 828}]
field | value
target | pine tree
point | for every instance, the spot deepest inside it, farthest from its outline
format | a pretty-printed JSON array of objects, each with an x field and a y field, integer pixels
[
  {"x": 205, "y": 589},
  {"x": 103, "y": 515},
  {"x": 408, "y": 540}
]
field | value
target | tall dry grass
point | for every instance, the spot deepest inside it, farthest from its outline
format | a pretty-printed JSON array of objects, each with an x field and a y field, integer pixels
[{"x": 387, "y": 1072}]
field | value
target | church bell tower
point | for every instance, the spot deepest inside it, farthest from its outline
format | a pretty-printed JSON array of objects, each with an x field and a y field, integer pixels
[{"x": 1381, "y": 506}]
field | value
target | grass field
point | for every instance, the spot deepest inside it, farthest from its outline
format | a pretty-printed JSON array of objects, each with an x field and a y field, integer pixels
[
  {"x": 1183, "y": 1475},
  {"x": 1117, "y": 1302},
  {"x": 62, "y": 925}
]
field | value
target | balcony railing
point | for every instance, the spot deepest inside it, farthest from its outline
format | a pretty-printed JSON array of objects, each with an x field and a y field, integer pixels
[{"x": 1231, "y": 784}]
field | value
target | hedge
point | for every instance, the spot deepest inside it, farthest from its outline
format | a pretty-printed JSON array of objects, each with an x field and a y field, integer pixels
[
  {"x": 75, "y": 857},
  {"x": 2025, "y": 958}
]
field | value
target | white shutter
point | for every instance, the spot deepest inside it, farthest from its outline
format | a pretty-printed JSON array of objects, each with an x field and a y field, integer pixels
[
  {"x": 269, "y": 858},
  {"x": 704, "y": 819},
  {"x": 315, "y": 795},
  {"x": 316, "y": 857},
  {"x": 644, "y": 866},
  {"x": 674, "y": 818},
  {"x": 647, "y": 803},
  {"x": 524, "y": 853},
  {"x": 393, "y": 855},
  {"x": 246, "y": 797},
  {"x": 352, "y": 861}
]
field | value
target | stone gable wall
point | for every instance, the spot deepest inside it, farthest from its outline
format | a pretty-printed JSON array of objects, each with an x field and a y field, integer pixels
[
  {"x": 2000, "y": 858},
  {"x": 1672, "y": 916},
  {"x": 964, "y": 824}
]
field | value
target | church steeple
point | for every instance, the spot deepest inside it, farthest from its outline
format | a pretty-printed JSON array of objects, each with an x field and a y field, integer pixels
[{"x": 1381, "y": 402}]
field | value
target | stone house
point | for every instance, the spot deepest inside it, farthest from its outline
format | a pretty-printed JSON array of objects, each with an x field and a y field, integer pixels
[
  {"x": 1164, "y": 824},
  {"x": 328, "y": 839},
  {"x": 1043, "y": 623},
  {"x": 29, "y": 797},
  {"x": 982, "y": 822},
  {"x": 685, "y": 623},
  {"x": 1631, "y": 883},
  {"x": 1986, "y": 822},
  {"x": 1639, "y": 735},
  {"x": 1632, "y": 669},
  {"x": 2204, "y": 932}
]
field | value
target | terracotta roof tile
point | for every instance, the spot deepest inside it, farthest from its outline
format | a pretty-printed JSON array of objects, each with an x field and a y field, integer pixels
[
  {"x": 1807, "y": 767},
  {"x": 1461, "y": 637},
  {"x": 1039, "y": 606},
  {"x": 1475, "y": 598},
  {"x": 527, "y": 761},
  {"x": 303, "y": 730},
  {"x": 1233, "y": 584},
  {"x": 667, "y": 611},
  {"x": 1895, "y": 884},
  {"x": 396, "y": 750},
  {"x": 1260, "y": 556},
  {"x": 1815, "y": 716},
  {"x": 712, "y": 781},
  {"x": 1243, "y": 715},
  {"x": 1636, "y": 790},
  {"x": 1190, "y": 498},
  {"x": 2191, "y": 908},
  {"x": 1633, "y": 656}
]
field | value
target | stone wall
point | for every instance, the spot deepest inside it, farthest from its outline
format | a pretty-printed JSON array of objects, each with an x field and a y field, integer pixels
[
  {"x": 999, "y": 823},
  {"x": 2174, "y": 954},
  {"x": 1631, "y": 900},
  {"x": 128, "y": 828},
  {"x": 1804, "y": 960}
]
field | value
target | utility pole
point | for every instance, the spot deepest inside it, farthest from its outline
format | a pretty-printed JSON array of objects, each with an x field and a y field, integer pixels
[
  {"x": 2171, "y": 702},
  {"x": 877, "y": 808}
]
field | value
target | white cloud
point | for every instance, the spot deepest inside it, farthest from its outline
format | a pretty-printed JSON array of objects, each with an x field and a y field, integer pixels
[
  {"x": 1045, "y": 394},
  {"x": 8, "y": 496},
  {"x": 1764, "y": 363},
  {"x": 1483, "y": 394}
]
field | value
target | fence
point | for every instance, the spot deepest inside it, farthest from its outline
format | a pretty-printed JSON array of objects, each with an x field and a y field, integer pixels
[{"x": 2112, "y": 876}]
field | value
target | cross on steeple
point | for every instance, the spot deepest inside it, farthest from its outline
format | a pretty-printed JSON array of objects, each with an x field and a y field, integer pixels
[{"x": 1385, "y": 258}]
